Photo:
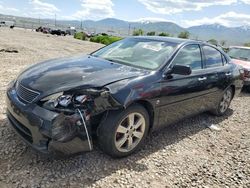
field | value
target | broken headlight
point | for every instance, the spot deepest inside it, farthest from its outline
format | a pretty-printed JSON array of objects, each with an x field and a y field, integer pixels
[{"x": 61, "y": 100}]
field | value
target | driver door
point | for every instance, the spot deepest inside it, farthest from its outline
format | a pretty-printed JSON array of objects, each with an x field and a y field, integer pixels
[{"x": 182, "y": 95}]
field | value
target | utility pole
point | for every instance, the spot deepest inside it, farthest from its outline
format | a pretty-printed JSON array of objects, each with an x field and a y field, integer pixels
[
  {"x": 55, "y": 20},
  {"x": 129, "y": 27},
  {"x": 81, "y": 24}
]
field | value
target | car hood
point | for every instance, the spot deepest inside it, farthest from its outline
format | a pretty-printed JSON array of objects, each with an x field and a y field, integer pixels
[
  {"x": 244, "y": 64},
  {"x": 64, "y": 74}
]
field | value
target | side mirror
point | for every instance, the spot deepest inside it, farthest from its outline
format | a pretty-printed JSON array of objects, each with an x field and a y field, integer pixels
[{"x": 180, "y": 69}]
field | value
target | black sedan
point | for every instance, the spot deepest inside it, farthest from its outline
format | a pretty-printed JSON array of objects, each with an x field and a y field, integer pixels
[{"x": 116, "y": 95}]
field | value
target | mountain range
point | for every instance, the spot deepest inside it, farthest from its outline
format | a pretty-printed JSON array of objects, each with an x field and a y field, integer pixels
[{"x": 232, "y": 35}]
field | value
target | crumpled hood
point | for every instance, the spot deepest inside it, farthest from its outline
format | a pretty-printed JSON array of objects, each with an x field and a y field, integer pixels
[{"x": 64, "y": 74}]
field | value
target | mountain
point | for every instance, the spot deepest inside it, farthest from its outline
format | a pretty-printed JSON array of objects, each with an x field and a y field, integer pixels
[
  {"x": 232, "y": 35},
  {"x": 111, "y": 24}
]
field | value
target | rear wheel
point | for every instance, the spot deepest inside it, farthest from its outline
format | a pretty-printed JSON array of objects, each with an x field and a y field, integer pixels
[
  {"x": 123, "y": 132},
  {"x": 248, "y": 88},
  {"x": 224, "y": 103}
]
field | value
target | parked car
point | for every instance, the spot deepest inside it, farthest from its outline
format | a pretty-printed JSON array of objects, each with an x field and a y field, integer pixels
[
  {"x": 241, "y": 56},
  {"x": 116, "y": 95},
  {"x": 44, "y": 30},
  {"x": 58, "y": 32}
]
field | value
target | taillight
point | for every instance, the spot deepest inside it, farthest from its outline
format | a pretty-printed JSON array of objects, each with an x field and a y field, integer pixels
[{"x": 246, "y": 73}]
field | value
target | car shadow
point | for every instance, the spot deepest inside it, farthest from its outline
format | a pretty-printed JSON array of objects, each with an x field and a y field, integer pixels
[
  {"x": 244, "y": 93},
  {"x": 93, "y": 166}
]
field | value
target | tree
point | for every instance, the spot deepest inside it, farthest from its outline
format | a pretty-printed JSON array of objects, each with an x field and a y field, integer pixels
[
  {"x": 163, "y": 34},
  {"x": 138, "y": 32},
  {"x": 213, "y": 42},
  {"x": 247, "y": 44},
  {"x": 152, "y": 33},
  {"x": 184, "y": 35}
]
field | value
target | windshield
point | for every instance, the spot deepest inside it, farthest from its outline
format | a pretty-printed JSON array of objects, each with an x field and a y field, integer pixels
[
  {"x": 239, "y": 53},
  {"x": 142, "y": 53}
]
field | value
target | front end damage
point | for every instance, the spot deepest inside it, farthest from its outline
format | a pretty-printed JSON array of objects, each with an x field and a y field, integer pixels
[
  {"x": 64, "y": 124},
  {"x": 80, "y": 112}
]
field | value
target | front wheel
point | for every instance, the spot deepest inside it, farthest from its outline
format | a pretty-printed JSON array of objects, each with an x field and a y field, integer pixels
[
  {"x": 224, "y": 103},
  {"x": 123, "y": 132}
]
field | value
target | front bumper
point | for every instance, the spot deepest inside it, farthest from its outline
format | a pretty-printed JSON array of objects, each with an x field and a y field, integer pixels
[{"x": 34, "y": 125}]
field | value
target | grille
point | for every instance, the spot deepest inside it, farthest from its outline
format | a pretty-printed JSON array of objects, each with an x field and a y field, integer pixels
[{"x": 26, "y": 94}]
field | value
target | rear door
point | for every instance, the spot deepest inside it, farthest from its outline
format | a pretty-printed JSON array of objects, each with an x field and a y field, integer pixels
[{"x": 218, "y": 74}]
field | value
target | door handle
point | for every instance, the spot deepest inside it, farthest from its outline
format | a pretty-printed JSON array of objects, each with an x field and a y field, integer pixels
[
  {"x": 202, "y": 78},
  {"x": 228, "y": 74}
]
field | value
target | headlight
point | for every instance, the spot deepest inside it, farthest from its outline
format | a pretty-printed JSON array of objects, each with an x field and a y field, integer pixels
[{"x": 63, "y": 100}]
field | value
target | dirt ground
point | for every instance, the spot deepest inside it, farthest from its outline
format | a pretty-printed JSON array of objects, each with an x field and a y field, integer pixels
[{"x": 187, "y": 154}]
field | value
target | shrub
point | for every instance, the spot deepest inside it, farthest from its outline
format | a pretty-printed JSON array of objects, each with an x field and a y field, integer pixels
[
  {"x": 105, "y": 39},
  {"x": 213, "y": 42},
  {"x": 247, "y": 44},
  {"x": 163, "y": 34},
  {"x": 138, "y": 32},
  {"x": 80, "y": 36},
  {"x": 152, "y": 33},
  {"x": 184, "y": 35}
]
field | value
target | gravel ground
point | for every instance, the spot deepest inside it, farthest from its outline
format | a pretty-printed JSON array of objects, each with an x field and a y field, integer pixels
[{"x": 187, "y": 154}]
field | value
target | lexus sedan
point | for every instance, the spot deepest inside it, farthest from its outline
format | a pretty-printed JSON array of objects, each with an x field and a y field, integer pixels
[
  {"x": 113, "y": 97},
  {"x": 241, "y": 56}
]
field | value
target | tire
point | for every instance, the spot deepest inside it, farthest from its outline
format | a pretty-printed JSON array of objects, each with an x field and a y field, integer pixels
[
  {"x": 248, "y": 89},
  {"x": 224, "y": 103},
  {"x": 115, "y": 135}
]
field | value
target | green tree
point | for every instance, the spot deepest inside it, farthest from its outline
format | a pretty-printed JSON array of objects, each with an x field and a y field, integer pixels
[
  {"x": 184, "y": 35},
  {"x": 138, "y": 32},
  {"x": 163, "y": 34},
  {"x": 247, "y": 44},
  {"x": 152, "y": 33},
  {"x": 213, "y": 42}
]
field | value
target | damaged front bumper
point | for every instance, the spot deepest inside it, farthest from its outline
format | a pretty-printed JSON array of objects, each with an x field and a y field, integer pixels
[{"x": 47, "y": 131}]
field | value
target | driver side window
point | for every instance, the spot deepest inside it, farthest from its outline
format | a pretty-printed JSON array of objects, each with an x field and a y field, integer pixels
[{"x": 190, "y": 55}]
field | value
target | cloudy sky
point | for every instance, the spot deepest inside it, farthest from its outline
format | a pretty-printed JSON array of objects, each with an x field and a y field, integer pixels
[{"x": 183, "y": 12}]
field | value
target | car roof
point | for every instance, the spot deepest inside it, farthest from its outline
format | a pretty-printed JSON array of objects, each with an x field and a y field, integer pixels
[
  {"x": 241, "y": 47},
  {"x": 169, "y": 39}
]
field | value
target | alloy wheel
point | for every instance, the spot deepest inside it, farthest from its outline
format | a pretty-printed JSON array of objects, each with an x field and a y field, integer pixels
[
  {"x": 226, "y": 100},
  {"x": 130, "y": 132}
]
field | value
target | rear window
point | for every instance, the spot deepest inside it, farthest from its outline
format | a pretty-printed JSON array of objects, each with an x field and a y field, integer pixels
[{"x": 213, "y": 57}]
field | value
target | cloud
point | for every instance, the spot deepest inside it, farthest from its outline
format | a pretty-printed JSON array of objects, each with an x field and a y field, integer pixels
[
  {"x": 231, "y": 19},
  {"x": 7, "y": 10},
  {"x": 245, "y": 1},
  {"x": 177, "y": 6},
  {"x": 94, "y": 9},
  {"x": 151, "y": 19},
  {"x": 43, "y": 8}
]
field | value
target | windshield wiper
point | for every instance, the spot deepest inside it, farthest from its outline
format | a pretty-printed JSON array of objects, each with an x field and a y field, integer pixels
[{"x": 115, "y": 60}]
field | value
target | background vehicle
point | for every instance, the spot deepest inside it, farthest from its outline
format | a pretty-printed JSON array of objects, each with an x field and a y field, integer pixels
[
  {"x": 58, "y": 32},
  {"x": 119, "y": 93},
  {"x": 241, "y": 56}
]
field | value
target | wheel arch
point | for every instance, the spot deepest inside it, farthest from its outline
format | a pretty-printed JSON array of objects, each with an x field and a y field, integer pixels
[
  {"x": 233, "y": 88},
  {"x": 150, "y": 109}
]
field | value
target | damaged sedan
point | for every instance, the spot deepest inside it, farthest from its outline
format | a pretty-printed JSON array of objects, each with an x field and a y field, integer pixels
[{"x": 113, "y": 97}]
